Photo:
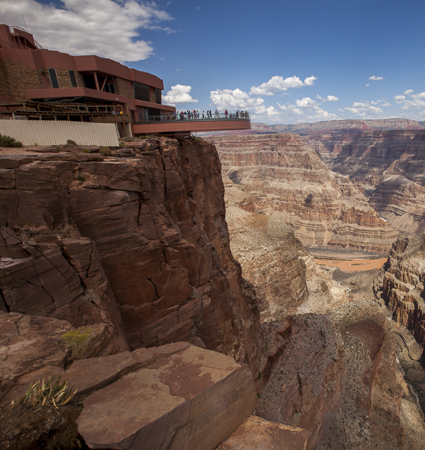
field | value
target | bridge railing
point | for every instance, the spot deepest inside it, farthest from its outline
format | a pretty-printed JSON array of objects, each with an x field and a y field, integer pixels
[{"x": 192, "y": 117}]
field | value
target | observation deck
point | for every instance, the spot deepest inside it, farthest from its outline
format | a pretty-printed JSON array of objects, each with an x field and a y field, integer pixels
[{"x": 184, "y": 126}]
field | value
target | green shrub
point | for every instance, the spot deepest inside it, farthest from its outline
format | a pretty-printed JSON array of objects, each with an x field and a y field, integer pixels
[
  {"x": 81, "y": 178},
  {"x": 105, "y": 151},
  {"x": 7, "y": 141},
  {"x": 51, "y": 392},
  {"x": 71, "y": 143},
  {"x": 78, "y": 341}
]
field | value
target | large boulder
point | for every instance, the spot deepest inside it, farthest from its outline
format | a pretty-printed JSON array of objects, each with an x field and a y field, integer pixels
[{"x": 180, "y": 397}]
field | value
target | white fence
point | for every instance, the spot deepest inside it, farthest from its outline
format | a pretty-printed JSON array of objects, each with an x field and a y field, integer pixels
[{"x": 51, "y": 132}]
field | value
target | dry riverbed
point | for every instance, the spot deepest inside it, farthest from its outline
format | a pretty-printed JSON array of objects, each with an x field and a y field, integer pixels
[{"x": 353, "y": 265}]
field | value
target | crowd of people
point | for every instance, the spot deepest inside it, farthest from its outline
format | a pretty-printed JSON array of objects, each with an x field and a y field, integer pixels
[{"x": 196, "y": 115}]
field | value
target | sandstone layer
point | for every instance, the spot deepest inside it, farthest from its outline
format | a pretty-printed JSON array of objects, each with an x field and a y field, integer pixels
[
  {"x": 285, "y": 275},
  {"x": 286, "y": 179},
  {"x": 180, "y": 397},
  {"x": 389, "y": 166},
  {"x": 256, "y": 433},
  {"x": 137, "y": 241},
  {"x": 402, "y": 279}
]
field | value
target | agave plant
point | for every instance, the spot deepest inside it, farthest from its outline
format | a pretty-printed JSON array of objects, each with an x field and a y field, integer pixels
[{"x": 52, "y": 392}]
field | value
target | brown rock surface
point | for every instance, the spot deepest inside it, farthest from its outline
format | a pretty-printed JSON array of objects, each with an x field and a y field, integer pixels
[
  {"x": 305, "y": 380},
  {"x": 27, "y": 345},
  {"x": 138, "y": 242},
  {"x": 283, "y": 272},
  {"x": 286, "y": 178},
  {"x": 187, "y": 399},
  {"x": 256, "y": 433},
  {"x": 31, "y": 348},
  {"x": 377, "y": 409},
  {"x": 388, "y": 164},
  {"x": 403, "y": 284},
  {"x": 267, "y": 251}
]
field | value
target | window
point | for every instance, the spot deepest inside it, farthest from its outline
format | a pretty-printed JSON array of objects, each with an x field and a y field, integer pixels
[
  {"x": 141, "y": 91},
  {"x": 72, "y": 78},
  {"x": 109, "y": 87},
  {"x": 157, "y": 95},
  {"x": 54, "y": 78}
]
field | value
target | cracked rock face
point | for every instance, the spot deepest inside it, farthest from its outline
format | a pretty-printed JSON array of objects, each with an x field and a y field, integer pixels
[
  {"x": 287, "y": 179},
  {"x": 138, "y": 242}
]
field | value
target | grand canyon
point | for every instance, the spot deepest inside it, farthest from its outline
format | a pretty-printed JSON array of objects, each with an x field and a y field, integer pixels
[{"x": 194, "y": 268}]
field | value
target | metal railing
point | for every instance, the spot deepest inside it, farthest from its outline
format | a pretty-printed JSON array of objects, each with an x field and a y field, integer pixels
[{"x": 192, "y": 117}]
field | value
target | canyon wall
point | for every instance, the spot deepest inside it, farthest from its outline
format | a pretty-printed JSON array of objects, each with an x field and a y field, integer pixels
[
  {"x": 137, "y": 242},
  {"x": 388, "y": 165},
  {"x": 137, "y": 247},
  {"x": 383, "y": 158},
  {"x": 403, "y": 290},
  {"x": 285, "y": 178}
]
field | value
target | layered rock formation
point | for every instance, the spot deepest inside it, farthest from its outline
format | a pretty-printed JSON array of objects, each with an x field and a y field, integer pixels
[
  {"x": 286, "y": 277},
  {"x": 286, "y": 179},
  {"x": 382, "y": 157},
  {"x": 139, "y": 243},
  {"x": 388, "y": 165},
  {"x": 403, "y": 284},
  {"x": 136, "y": 247}
]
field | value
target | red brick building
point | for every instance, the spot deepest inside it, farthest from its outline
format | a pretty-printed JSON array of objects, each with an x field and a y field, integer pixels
[{"x": 30, "y": 73}]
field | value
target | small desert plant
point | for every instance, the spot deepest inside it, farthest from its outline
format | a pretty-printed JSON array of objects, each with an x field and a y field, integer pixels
[
  {"x": 71, "y": 143},
  {"x": 52, "y": 392},
  {"x": 78, "y": 340},
  {"x": 105, "y": 151},
  {"x": 7, "y": 141},
  {"x": 81, "y": 178}
]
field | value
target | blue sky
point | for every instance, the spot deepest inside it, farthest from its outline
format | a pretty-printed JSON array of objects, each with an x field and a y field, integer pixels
[{"x": 284, "y": 61}]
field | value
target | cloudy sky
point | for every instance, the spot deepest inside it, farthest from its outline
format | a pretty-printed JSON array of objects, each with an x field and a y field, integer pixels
[{"x": 284, "y": 61}]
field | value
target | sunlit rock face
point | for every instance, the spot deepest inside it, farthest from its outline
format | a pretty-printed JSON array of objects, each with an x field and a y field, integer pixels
[
  {"x": 403, "y": 284},
  {"x": 285, "y": 178},
  {"x": 388, "y": 165}
]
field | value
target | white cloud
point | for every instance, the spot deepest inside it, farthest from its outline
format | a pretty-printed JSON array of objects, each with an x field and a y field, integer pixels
[
  {"x": 410, "y": 101},
  {"x": 280, "y": 84},
  {"x": 367, "y": 85},
  {"x": 367, "y": 110},
  {"x": 310, "y": 81},
  {"x": 329, "y": 98},
  {"x": 236, "y": 99},
  {"x": 303, "y": 110},
  {"x": 80, "y": 27},
  {"x": 178, "y": 94},
  {"x": 306, "y": 102},
  {"x": 375, "y": 78}
]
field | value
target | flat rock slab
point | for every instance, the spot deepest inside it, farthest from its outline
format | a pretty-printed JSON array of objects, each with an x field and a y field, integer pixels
[
  {"x": 260, "y": 434},
  {"x": 190, "y": 399},
  {"x": 89, "y": 375}
]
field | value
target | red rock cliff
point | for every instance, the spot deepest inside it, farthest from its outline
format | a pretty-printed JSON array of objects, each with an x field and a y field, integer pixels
[{"x": 139, "y": 243}]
